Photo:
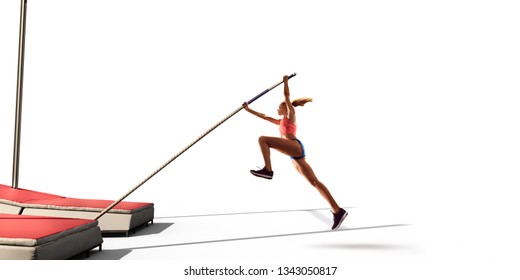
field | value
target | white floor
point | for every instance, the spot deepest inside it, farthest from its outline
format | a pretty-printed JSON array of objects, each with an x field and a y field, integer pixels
[
  {"x": 269, "y": 240},
  {"x": 371, "y": 244},
  {"x": 264, "y": 235}
]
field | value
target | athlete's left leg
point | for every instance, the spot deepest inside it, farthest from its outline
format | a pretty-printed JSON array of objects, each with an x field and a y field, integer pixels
[{"x": 305, "y": 169}]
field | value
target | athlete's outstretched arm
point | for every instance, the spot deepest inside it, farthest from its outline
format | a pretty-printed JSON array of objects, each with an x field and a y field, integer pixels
[
  {"x": 290, "y": 108},
  {"x": 260, "y": 115}
]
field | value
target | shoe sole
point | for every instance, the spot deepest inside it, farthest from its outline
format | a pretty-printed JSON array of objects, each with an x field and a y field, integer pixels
[
  {"x": 262, "y": 175},
  {"x": 341, "y": 220}
]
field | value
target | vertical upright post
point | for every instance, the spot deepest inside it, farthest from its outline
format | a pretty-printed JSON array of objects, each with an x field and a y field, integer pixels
[{"x": 19, "y": 93}]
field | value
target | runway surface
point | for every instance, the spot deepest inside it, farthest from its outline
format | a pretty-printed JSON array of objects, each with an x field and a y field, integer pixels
[{"x": 271, "y": 234}]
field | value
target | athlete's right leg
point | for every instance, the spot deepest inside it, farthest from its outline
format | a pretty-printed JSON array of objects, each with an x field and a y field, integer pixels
[{"x": 285, "y": 146}]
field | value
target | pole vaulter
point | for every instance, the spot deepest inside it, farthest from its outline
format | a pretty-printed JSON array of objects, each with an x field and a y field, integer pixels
[{"x": 186, "y": 148}]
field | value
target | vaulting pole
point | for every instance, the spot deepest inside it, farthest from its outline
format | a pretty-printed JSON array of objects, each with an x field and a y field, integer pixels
[
  {"x": 186, "y": 148},
  {"x": 19, "y": 93}
]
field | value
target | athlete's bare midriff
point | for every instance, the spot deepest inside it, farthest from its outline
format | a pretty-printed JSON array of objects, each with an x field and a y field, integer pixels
[{"x": 289, "y": 136}]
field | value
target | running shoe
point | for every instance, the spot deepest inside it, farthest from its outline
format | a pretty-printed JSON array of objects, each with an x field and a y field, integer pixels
[
  {"x": 264, "y": 173},
  {"x": 338, "y": 218}
]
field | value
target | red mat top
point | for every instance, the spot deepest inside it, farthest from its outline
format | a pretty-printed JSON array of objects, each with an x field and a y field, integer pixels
[
  {"x": 22, "y": 195},
  {"x": 91, "y": 203},
  {"x": 41, "y": 199}
]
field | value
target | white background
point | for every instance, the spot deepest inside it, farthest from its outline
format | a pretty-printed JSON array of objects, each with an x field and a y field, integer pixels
[{"x": 415, "y": 109}]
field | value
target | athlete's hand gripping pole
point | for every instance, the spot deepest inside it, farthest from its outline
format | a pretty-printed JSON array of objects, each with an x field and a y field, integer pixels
[
  {"x": 267, "y": 90},
  {"x": 186, "y": 148}
]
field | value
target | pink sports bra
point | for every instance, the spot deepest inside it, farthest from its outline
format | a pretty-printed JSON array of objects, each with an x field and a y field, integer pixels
[{"x": 287, "y": 127}]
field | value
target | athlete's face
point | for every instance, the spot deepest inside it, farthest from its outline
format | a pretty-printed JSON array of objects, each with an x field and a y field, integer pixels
[{"x": 282, "y": 109}]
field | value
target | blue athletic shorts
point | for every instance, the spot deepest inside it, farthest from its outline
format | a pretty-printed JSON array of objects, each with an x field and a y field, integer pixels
[{"x": 303, "y": 150}]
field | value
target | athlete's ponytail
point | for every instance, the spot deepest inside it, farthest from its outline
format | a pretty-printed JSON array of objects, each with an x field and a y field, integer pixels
[{"x": 301, "y": 101}]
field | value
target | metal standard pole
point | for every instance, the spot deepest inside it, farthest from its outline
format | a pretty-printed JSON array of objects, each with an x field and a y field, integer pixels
[{"x": 19, "y": 92}]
